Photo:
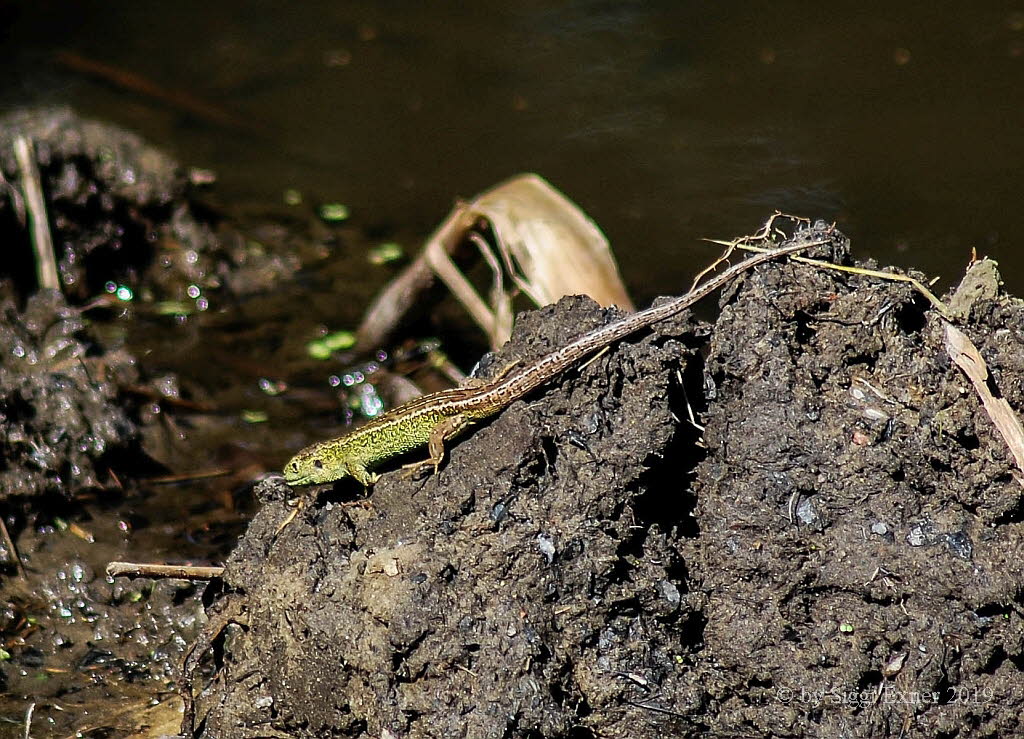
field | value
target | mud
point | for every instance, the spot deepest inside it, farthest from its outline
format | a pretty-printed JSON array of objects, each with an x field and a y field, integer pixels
[
  {"x": 838, "y": 552},
  {"x": 123, "y": 215},
  {"x": 72, "y": 457},
  {"x": 860, "y": 519},
  {"x": 81, "y": 424},
  {"x": 62, "y": 424},
  {"x": 122, "y": 402},
  {"x": 456, "y": 587}
]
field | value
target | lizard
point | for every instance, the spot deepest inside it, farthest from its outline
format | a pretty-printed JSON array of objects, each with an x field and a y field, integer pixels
[{"x": 438, "y": 417}]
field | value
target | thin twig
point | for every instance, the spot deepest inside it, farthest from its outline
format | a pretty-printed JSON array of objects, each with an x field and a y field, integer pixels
[
  {"x": 190, "y": 476},
  {"x": 46, "y": 265},
  {"x": 28, "y": 720},
  {"x": 9, "y": 543},
  {"x": 763, "y": 234},
  {"x": 181, "y": 572},
  {"x": 917, "y": 284},
  {"x": 178, "y": 99}
]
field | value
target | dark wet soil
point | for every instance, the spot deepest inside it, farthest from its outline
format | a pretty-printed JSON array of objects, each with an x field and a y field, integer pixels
[
  {"x": 838, "y": 552},
  {"x": 138, "y": 406},
  {"x": 860, "y": 519},
  {"x": 64, "y": 421},
  {"x": 83, "y": 423}
]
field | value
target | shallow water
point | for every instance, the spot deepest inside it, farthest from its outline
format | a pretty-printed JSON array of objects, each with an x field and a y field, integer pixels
[{"x": 666, "y": 121}]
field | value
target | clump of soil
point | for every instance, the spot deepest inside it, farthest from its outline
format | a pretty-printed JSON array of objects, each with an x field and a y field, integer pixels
[
  {"x": 63, "y": 421},
  {"x": 466, "y": 584},
  {"x": 843, "y": 555},
  {"x": 115, "y": 206},
  {"x": 122, "y": 218},
  {"x": 73, "y": 401},
  {"x": 89, "y": 433}
]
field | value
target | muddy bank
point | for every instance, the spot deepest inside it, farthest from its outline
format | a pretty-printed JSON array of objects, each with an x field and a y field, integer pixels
[
  {"x": 83, "y": 423},
  {"x": 842, "y": 551},
  {"x": 65, "y": 423},
  {"x": 123, "y": 217},
  {"x": 137, "y": 408},
  {"x": 133, "y": 248},
  {"x": 71, "y": 440}
]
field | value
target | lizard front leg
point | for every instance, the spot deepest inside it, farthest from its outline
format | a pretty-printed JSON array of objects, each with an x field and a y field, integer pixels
[{"x": 360, "y": 473}]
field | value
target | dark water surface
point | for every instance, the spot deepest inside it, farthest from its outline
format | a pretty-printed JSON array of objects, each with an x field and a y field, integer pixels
[{"x": 665, "y": 121}]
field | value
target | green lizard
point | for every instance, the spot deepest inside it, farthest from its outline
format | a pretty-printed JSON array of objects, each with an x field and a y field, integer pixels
[{"x": 438, "y": 417}]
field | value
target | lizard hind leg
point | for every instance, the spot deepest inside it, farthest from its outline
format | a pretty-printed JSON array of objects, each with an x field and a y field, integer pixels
[
  {"x": 504, "y": 371},
  {"x": 498, "y": 376},
  {"x": 445, "y": 430}
]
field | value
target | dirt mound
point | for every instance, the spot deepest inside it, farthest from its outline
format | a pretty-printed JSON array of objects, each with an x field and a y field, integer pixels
[
  {"x": 860, "y": 548},
  {"x": 843, "y": 555},
  {"x": 124, "y": 219}
]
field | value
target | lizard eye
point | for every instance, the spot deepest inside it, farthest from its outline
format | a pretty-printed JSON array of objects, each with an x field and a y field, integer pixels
[{"x": 318, "y": 464}]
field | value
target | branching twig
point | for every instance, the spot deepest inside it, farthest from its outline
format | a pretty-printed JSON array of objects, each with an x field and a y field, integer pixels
[
  {"x": 746, "y": 242},
  {"x": 916, "y": 284}
]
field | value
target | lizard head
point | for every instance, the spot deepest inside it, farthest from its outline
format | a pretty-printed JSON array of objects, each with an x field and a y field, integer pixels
[{"x": 308, "y": 468}]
